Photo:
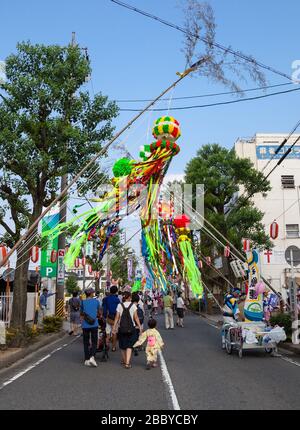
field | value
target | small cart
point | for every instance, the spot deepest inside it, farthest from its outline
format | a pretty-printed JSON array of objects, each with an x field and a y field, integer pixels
[{"x": 233, "y": 338}]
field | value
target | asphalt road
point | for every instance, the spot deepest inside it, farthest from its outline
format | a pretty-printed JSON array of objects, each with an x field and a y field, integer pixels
[{"x": 199, "y": 375}]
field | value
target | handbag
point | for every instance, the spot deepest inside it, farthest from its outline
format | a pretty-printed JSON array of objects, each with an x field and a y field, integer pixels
[{"x": 88, "y": 319}]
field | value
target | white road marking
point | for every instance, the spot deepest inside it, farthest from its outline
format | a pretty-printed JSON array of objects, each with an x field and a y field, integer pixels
[
  {"x": 283, "y": 357},
  {"x": 168, "y": 382},
  {"x": 32, "y": 366}
]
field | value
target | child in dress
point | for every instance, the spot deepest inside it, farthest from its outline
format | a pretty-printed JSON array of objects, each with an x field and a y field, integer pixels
[{"x": 154, "y": 343}]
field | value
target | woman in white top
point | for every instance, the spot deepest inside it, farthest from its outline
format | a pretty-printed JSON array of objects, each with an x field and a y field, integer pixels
[
  {"x": 128, "y": 339},
  {"x": 180, "y": 310}
]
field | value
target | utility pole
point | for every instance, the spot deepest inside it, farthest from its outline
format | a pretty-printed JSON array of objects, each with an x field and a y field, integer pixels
[
  {"x": 108, "y": 269},
  {"x": 293, "y": 302},
  {"x": 60, "y": 280}
]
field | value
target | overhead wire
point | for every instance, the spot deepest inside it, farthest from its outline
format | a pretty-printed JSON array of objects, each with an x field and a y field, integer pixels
[
  {"x": 210, "y": 43},
  {"x": 228, "y": 102}
]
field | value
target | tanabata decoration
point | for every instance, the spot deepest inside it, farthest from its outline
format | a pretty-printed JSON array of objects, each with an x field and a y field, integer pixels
[{"x": 166, "y": 240}]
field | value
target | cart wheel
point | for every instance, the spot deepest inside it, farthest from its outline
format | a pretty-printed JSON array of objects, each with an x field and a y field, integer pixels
[
  {"x": 269, "y": 350},
  {"x": 228, "y": 343},
  {"x": 241, "y": 352}
]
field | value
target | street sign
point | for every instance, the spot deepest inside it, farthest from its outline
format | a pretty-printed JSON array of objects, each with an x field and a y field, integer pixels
[
  {"x": 49, "y": 269},
  {"x": 60, "y": 267},
  {"x": 296, "y": 255}
]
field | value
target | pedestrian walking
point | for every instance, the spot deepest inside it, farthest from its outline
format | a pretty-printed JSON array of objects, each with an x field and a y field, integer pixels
[
  {"x": 110, "y": 304},
  {"x": 154, "y": 343},
  {"x": 43, "y": 305},
  {"x": 168, "y": 310},
  {"x": 90, "y": 312},
  {"x": 140, "y": 313},
  {"x": 180, "y": 306},
  {"x": 74, "y": 309},
  {"x": 126, "y": 319},
  {"x": 154, "y": 305}
]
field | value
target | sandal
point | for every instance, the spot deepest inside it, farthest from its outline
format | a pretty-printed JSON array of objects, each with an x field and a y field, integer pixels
[
  {"x": 128, "y": 366},
  {"x": 113, "y": 349}
]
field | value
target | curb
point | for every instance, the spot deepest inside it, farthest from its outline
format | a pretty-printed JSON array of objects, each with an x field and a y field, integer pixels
[
  {"x": 24, "y": 352},
  {"x": 290, "y": 347},
  {"x": 219, "y": 323}
]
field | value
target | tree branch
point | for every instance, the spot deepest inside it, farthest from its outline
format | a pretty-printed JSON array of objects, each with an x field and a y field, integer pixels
[{"x": 7, "y": 228}]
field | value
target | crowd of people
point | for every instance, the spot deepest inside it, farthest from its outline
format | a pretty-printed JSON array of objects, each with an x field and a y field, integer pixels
[{"x": 118, "y": 319}]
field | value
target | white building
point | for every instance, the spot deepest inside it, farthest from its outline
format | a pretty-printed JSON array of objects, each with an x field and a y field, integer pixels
[{"x": 282, "y": 202}]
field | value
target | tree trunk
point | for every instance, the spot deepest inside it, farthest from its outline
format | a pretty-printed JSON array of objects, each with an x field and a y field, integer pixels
[
  {"x": 19, "y": 307},
  {"x": 97, "y": 284}
]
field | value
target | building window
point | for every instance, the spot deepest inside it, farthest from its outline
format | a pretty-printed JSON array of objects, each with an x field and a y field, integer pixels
[
  {"x": 288, "y": 181},
  {"x": 292, "y": 230}
]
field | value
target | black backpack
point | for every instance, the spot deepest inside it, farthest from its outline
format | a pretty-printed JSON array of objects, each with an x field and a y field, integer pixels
[{"x": 126, "y": 323}]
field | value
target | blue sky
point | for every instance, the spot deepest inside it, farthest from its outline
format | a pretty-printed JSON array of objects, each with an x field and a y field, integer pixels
[{"x": 134, "y": 57}]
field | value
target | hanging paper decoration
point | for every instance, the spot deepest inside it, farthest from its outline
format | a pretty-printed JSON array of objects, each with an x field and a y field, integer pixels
[
  {"x": 3, "y": 252},
  {"x": 246, "y": 245},
  {"x": 167, "y": 246},
  {"x": 227, "y": 251},
  {"x": 53, "y": 256},
  {"x": 200, "y": 264},
  {"x": 274, "y": 229},
  {"x": 90, "y": 269},
  {"x": 34, "y": 254}
]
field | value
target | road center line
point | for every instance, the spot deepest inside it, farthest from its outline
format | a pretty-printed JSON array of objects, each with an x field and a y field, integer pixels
[
  {"x": 168, "y": 382},
  {"x": 32, "y": 366}
]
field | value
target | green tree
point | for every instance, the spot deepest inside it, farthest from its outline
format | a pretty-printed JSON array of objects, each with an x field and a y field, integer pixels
[
  {"x": 222, "y": 173},
  {"x": 49, "y": 127},
  {"x": 72, "y": 284}
]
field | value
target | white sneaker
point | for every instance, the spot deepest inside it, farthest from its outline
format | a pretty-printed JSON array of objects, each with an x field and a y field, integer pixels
[
  {"x": 87, "y": 363},
  {"x": 93, "y": 362}
]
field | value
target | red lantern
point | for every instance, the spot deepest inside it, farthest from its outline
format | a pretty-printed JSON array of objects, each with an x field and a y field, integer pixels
[
  {"x": 90, "y": 269},
  {"x": 227, "y": 251},
  {"x": 274, "y": 228},
  {"x": 77, "y": 262},
  {"x": 181, "y": 221},
  {"x": 34, "y": 254},
  {"x": 246, "y": 245},
  {"x": 3, "y": 252},
  {"x": 83, "y": 261},
  {"x": 200, "y": 264},
  {"x": 208, "y": 260},
  {"x": 53, "y": 257}
]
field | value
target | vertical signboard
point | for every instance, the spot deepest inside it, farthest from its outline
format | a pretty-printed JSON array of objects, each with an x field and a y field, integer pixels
[
  {"x": 60, "y": 267},
  {"x": 253, "y": 308},
  {"x": 49, "y": 269}
]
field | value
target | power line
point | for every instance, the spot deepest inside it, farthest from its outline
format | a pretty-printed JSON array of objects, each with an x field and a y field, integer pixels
[
  {"x": 209, "y": 94},
  {"x": 215, "y": 104},
  {"x": 208, "y": 42}
]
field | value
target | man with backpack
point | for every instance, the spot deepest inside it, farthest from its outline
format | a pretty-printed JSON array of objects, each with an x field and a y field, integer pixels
[
  {"x": 110, "y": 304},
  {"x": 126, "y": 319}
]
